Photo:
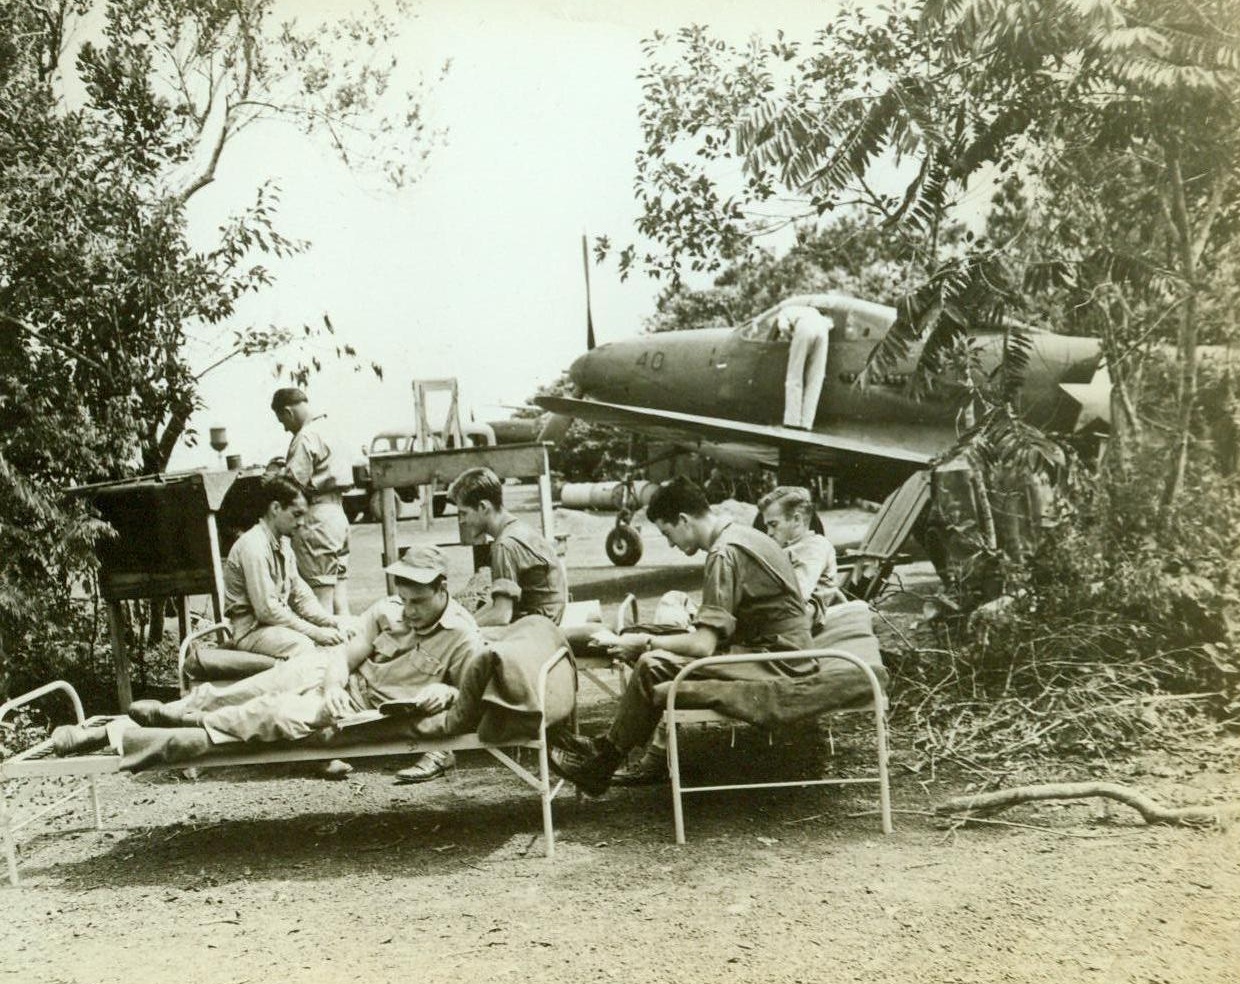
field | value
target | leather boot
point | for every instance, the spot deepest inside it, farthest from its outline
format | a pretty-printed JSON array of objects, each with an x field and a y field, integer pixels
[
  {"x": 74, "y": 739},
  {"x": 592, "y": 772},
  {"x": 153, "y": 714}
]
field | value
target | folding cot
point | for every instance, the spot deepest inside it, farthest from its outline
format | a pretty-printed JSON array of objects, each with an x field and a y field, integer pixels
[{"x": 41, "y": 762}]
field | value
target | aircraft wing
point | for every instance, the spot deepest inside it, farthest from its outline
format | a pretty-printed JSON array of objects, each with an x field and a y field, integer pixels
[{"x": 739, "y": 441}]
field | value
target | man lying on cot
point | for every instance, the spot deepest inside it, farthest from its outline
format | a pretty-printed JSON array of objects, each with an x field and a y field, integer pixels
[
  {"x": 271, "y": 608},
  {"x": 750, "y": 599},
  {"x": 415, "y": 648}
]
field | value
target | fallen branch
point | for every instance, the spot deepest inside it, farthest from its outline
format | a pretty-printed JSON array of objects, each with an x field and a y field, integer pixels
[{"x": 1151, "y": 811}]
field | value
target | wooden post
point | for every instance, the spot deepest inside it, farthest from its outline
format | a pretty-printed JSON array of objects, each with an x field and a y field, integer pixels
[
  {"x": 217, "y": 568},
  {"x": 544, "y": 499},
  {"x": 388, "y": 516},
  {"x": 120, "y": 657},
  {"x": 182, "y": 617}
]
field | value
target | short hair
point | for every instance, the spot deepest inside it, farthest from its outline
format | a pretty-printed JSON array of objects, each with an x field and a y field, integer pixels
[
  {"x": 675, "y": 497},
  {"x": 793, "y": 500},
  {"x": 276, "y": 488},
  {"x": 288, "y": 396},
  {"x": 475, "y": 486}
]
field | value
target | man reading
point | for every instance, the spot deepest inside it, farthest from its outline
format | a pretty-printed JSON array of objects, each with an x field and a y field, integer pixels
[{"x": 750, "y": 601}]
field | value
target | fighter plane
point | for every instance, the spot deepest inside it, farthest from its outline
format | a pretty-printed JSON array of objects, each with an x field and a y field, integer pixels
[{"x": 720, "y": 391}]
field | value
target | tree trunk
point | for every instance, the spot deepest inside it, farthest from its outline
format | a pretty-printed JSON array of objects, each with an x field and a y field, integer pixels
[{"x": 1186, "y": 388}]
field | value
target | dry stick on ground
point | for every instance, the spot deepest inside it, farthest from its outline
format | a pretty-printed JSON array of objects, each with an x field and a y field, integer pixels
[{"x": 1151, "y": 811}]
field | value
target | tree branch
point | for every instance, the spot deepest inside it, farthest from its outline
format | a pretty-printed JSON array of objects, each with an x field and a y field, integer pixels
[{"x": 54, "y": 343}]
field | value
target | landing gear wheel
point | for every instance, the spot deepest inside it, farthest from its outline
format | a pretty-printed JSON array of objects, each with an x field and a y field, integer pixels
[{"x": 624, "y": 546}]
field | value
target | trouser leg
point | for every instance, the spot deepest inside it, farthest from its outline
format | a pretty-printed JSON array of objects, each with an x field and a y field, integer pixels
[
  {"x": 292, "y": 676},
  {"x": 638, "y": 713},
  {"x": 814, "y": 373},
  {"x": 269, "y": 717},
  {"x": 794, "y": 379},
  {"x": 276, "y": 641}
]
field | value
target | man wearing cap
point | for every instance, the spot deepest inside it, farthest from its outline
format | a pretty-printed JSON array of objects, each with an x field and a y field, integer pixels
[
  {"x": 527, "y": 577},
  {"x": 415, "y": 647},
  {"x": 322, "y": 546}
]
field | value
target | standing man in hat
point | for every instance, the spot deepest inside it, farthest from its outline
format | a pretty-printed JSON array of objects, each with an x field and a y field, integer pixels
[{"x": 322, "y": 545}]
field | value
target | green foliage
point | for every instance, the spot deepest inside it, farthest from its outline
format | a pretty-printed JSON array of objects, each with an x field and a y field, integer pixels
[
  {"x": 1117, "y": 122},
  {"x": 101, "y": 292}
]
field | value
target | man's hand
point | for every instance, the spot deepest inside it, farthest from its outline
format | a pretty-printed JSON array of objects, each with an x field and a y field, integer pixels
[
  {"x": 346, "y": 624},
  {"x": 435, "y": 697},
  {"x": 629, "y": 646},
  {"x": 324, "y": 636},
  {"x": 336, "y": 702}
]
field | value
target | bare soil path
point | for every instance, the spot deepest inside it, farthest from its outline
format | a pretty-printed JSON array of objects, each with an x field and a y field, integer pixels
[{"x": 273, "y": 874}]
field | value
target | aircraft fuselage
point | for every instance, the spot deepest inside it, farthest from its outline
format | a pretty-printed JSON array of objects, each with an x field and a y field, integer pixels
[{"x": 720, "y": 372}]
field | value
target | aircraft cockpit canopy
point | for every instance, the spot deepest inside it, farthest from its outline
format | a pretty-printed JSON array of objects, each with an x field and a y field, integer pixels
[{"x": 852, "y": 317}]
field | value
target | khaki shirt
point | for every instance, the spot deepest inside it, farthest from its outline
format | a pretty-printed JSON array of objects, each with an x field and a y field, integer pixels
[
  {"x": 406, "y": 659},
  {"x": 312, "y": 463},
  {"x": 524, "y": 567},
  {"x": 262, "y": 585},
  {"x": 750, "y": 595},
  {"x": 815, "y": 567}
]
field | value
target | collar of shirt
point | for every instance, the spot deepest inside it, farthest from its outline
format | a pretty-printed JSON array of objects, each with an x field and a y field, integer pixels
[
  {"x": 510, "y": 521},
  {"x": 718, "y": 533},
  {"x": 273, "y": 540},
  {"x": 453, "y": 617}
]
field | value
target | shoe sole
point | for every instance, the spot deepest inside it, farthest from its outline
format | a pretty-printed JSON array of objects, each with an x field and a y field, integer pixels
[{"x": 405, "y": 780}]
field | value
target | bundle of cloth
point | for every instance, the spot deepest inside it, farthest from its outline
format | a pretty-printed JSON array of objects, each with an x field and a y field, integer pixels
[{"x": 835, "y": 685}]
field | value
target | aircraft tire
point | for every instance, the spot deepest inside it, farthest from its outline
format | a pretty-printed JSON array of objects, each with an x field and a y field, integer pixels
[{"x": 624, "y": 546}]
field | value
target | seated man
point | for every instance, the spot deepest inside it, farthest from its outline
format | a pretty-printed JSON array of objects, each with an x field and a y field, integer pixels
[
  {"x": 417, "y": 647},
  {"x": 271, "y": 608},
  {"x": 527, "y": 577},
  {"x": 750, "y": 599},
  {"x": 788, "y": 512}
]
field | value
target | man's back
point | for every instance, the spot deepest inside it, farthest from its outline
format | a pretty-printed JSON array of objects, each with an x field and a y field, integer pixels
[
  {"x": 750, "y": 594},
  {"x": 524, "y": 567}
]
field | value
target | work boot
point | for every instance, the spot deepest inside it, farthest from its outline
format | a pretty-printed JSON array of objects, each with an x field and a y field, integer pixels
[
  {"x": 431, "y": 765},
  {"x": 589, "y": 765},
  {"x": 154, "y": 714},
  {"x": 74, "y": 739},
  {"x": 649, "y": 770}
]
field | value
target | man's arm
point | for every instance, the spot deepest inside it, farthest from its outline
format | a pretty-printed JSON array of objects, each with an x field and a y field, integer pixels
[
  {"x": 806, "y": 566},
  {"x": 264, "y": 597},
  {"x": 302, "y": 601},
  {"x": 498, "y": 611},
  {"x": 702, "y": 641},
  {"x": 300, "y": 458},
  {"x": 505, "y": 586}
]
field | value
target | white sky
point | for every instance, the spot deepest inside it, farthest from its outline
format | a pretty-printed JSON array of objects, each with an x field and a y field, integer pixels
[{"x": 475, "y": 271}]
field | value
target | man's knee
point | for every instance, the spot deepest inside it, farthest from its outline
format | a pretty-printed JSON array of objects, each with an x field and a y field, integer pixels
[{"x": 278, "y": 642}]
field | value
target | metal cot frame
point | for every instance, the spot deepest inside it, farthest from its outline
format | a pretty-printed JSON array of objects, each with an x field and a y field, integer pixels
[
  {"x": 676, "y": 716},
  {"x": 40, "y": 762}
]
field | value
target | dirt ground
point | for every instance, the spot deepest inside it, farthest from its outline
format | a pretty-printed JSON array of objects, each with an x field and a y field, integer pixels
[{"x": 247, "y": 875}]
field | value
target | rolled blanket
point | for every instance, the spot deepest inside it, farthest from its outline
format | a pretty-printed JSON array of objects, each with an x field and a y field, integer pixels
[{"x": 836, "y": 684}]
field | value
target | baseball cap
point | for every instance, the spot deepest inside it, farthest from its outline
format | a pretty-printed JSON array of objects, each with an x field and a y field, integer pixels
[{"x": 419, "y": 564}]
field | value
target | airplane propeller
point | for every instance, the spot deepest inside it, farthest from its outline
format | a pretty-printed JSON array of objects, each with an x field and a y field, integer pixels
[{"x": 585, "y": 262}]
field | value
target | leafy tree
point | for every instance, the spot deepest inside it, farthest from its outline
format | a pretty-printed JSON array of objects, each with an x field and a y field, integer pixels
[
  {"x": 907, "y": 114},
  {"x": 102, "y": 144}
]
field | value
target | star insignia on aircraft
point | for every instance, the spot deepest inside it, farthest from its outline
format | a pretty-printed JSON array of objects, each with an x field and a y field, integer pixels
[{"x": 1094, "y": 399}]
